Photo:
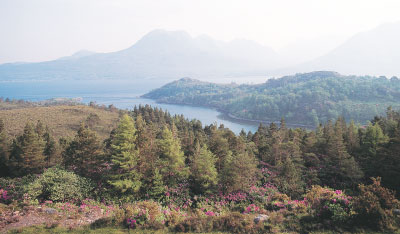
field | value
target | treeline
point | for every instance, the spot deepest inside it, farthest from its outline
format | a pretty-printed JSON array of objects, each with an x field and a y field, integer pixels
[
  {"x": 151, "y": 152},
  {"x": 307, "y": 99}
]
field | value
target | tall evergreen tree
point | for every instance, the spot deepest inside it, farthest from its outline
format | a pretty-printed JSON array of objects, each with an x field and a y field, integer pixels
[
  {"x": 203, "y": 172},
  {"x": 341, "y": 170},
  {"x": 50, "y": 149},
  {"x": 172, "y": 160},
  {"x": 27, "y": 152},
  {"x": 239, "y": 172},
  {"x": 84, "y": 155},
  {"x": 125, "y": 177}
]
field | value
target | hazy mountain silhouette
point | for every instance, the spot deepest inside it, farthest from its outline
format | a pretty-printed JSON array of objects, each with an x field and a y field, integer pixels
[
  {"x": 375, "y": 52},
  {"x": 159, "y": 54}
]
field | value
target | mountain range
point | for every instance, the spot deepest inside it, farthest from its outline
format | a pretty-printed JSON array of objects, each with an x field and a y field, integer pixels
[
  {"x": 173, "y": 54},
  {"x": 159, "y": 54}
]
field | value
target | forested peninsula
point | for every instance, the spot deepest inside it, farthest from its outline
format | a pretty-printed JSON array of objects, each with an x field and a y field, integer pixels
[{"x": 302, "y": 99}]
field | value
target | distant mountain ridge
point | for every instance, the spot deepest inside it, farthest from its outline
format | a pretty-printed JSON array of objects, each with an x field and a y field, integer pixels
[
  {"x": 374, "y": 52},
  {"x": 159, "y": 54},
  {"x": 168, "y": 55}
]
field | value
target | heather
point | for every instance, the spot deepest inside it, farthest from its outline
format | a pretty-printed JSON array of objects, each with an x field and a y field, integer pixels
[{"x": 161, "y": 173}]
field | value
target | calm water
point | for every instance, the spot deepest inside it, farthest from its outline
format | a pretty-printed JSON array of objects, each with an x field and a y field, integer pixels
[{"x": 122, "y": 94}]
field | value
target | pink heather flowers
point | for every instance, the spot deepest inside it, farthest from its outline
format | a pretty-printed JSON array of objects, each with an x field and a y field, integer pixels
[
  {"x": 210, "y": 213},
  {"x": 3, "y": 195},
  {"x": 251, "y": 209}
]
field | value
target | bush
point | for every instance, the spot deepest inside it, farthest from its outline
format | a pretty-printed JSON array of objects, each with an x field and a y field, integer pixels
[
  {"x": 144, "y": 214},
  {"x": 16, "y": 187},
  {"x": 60, "y": 186},
  {"x": 374, "y": 206},
  {"x": 328, "y": 205}
]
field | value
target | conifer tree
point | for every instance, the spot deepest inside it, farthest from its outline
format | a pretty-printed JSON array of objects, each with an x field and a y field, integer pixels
[
  {"x": 172, "y": 160},
  {"x": 341, "y": 170},
  {"x": 50, "y": 149},
  {"x": 27, "y": 152},
  {"x": 84, "y": 155},
  {"x": 156, "y": 190},
  {"x": 372, "y": 141},
  {"x": 289, "y": 179},
  {"x": 125, "y": 177},
  {"x": 239, "y": 172},
  {"x": 203, "y": 172}
]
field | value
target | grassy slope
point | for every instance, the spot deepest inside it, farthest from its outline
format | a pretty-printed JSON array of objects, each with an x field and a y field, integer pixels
[{"x": 63, "y": 121}]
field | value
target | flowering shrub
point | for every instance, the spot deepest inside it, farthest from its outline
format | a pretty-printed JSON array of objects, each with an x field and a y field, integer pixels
[
  {"x": 329, "y": 204},
  {"x": 251, "y": 209},
  {"x": 145, "y": 214},
  {"x": 16, "y": 187},
  {"x": 211, "y": 206},
  {"x": 179, "y": 195},
  {"x": 139, "y": 218},
  {"x": 4, "y": 198}
]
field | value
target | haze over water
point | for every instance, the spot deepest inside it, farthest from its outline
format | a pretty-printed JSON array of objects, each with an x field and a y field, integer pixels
[{"x": 122, "y": 94}]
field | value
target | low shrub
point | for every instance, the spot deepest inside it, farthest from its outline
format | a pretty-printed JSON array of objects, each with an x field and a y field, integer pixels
[
  {"x": 59, "y": 186},
  {"x": 16, "y": 187},
  {"x": 332, "y": 207}
]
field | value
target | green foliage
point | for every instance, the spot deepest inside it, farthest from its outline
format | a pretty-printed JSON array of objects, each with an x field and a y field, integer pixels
[
  {"x": 239, "y": 172},
  {"x": 84, "y": 155},
  {"x": 27, "y": 153},
  {"x": 125, "y": 177},
  {"x": 172, "y": 159},
  {"x": 329, "y": 205},
  {"x": 303, "y": 99},
  {"x": 60, "y": 186},
  {"x": 203, "y": 171},
  {"x": 16, "y": 187},
  {"x": 156, "y": 190}
]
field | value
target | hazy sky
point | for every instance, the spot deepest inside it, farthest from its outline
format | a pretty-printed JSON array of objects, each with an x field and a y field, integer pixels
[{"x": 37, "y": 30}]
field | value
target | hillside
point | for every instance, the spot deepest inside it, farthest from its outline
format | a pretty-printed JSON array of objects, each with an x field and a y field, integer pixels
[
  {"x": 159, "y": 54},
  {"x": 159, "y": 173},
  {"x": 305, "y": 99},
  {"x": 63, "y": 121}
]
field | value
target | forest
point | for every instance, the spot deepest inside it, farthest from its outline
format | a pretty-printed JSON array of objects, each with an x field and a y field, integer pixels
[
  {"x": 304, "y": 100},
  {"x": 160, "y": 172}
]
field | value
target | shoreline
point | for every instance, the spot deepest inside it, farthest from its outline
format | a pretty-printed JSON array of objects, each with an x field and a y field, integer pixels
[{"x": 224, "y": 115}]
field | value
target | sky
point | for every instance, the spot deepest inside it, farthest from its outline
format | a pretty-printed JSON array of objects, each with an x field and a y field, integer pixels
[{"x": 41, "y": 30}]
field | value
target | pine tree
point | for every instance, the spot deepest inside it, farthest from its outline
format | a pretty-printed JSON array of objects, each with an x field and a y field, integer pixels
[
  {"x": 239, "y": 172},
  {"x": 27, "y": 152},
  {"x": 50, "y": 149},
  {"x": 341, "y": 170},
  {"x": 172, "y": 159},
  {"x": 203, "y": 172},
  {"x": 156, "y": 189},
  {"x": 125, "y": 178},
  {"x": 372, "y": 141},
  {"x": 84, "y": 155},
  {"x": 289, "y": 179}
]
